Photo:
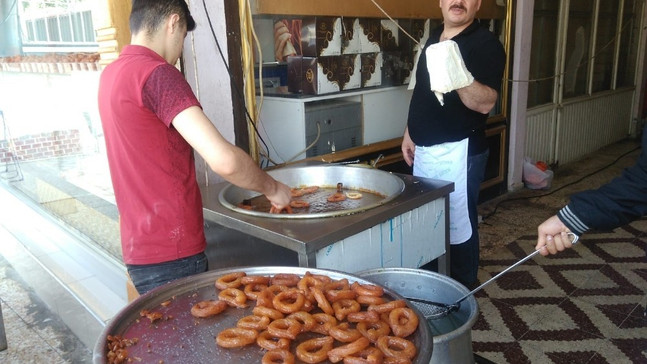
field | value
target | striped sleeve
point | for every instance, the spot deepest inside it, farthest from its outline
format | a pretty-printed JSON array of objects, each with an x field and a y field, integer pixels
[{"x": 572, "y": 221}]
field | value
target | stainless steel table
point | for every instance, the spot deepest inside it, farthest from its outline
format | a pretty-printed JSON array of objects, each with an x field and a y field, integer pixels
[{"x": 307, "y": 236}]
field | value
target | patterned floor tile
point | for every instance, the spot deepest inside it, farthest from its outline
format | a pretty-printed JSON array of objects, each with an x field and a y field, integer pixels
[{"x": 584, "y": 305}]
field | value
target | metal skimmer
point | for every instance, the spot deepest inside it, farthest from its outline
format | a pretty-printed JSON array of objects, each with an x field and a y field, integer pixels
[{"x": 436, "y": 310}]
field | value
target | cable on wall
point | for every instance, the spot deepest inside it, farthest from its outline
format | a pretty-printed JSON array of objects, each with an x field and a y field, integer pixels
[{"x": 238, "y": 93}]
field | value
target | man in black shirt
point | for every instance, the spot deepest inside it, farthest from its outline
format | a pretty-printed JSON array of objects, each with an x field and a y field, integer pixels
[{"x": 448, "y": 140}]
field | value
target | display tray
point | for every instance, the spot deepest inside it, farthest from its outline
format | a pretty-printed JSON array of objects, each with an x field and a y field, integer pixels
[{"x": 178, "y": 337}]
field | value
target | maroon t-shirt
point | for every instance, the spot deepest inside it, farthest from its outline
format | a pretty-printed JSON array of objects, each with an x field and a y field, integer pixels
[{"x": 151, "y": 166}]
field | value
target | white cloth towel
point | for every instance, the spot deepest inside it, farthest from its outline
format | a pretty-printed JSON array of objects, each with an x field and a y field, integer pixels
[
  {"x": 448, "y": 161},
  {"x": 447, "y": 71}
]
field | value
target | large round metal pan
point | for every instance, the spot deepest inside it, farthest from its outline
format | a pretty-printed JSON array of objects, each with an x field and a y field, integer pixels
[
  {"x": 180, "y": 338},
  {"x": 386, "y": 184}
]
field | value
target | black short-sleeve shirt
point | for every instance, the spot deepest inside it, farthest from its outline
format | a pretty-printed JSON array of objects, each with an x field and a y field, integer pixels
[{"x": 429, "y": 122}]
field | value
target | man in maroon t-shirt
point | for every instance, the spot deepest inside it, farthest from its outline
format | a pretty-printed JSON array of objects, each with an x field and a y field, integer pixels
[{"x": 152, "y": 122}]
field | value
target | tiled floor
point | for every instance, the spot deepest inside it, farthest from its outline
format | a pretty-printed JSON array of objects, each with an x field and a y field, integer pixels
[
  {"x": 581, "y": 306},
  {"x": 584, "y": 305}
]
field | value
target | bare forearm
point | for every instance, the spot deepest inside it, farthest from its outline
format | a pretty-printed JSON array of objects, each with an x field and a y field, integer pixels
[
  {"x": 226, "y": 159},
  {"x": 237, "y": 167},
  {"x": 478, "y": 97}
]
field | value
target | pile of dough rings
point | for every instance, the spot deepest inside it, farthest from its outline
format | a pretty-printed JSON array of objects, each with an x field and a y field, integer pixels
[{"x": 314, "y": 318}]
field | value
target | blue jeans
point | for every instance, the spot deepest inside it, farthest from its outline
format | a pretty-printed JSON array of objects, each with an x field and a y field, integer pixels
[
  {"x": 464, "y": 258},
  {"x": 149, "y": 276}
]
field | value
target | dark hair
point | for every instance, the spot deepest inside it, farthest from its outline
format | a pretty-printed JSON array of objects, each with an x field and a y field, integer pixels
[{"x": 147, "y": 15}]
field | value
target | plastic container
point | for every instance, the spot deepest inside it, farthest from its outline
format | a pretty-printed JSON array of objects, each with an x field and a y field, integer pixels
[{"x": 535, "y": 178}]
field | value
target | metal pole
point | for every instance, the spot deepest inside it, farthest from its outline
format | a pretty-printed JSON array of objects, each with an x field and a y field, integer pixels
[{"x": 3, "y": 337}]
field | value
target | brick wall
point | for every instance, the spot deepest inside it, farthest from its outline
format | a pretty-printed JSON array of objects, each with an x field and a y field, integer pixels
[{"x": 41, "y": 146}]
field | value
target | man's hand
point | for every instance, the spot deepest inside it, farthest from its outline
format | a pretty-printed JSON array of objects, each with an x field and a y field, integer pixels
[
  {"x": 552, "y": 234},
  {"x": 447, "y": 71},
  {"x": 281, "y": 196},
  {"x": 408, "y": 148}
]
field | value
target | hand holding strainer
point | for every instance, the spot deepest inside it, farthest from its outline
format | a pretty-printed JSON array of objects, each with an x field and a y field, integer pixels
[{"x": 436, "y": 310}]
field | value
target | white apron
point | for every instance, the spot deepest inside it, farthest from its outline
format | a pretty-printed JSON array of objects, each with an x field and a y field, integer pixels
[{"x": 448, "y": 161}]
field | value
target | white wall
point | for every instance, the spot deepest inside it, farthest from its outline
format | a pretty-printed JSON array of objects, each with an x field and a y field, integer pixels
[
  {"x": 519, "y": 92},
  {"x": 206, "y": 72}
]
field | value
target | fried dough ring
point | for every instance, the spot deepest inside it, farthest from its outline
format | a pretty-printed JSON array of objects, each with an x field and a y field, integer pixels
[
  {"x": 344, "y": 307},
  {"x": 235, "y": 337},
  {"x": 320, "y": 277},
  {"x": 337, "y": 290},
  {"x": 278, "y": 356},
  {"x": 374, "y": 330},
  {"x": 287, "y": 328},
  {"x": 284, "y": 210},
  {"x": 234, "y": 297},
  {"x": 370, "y": 355},
  {"x": 336, "y": 197},
  {"x": 315, "y": 350},
  {"x": 308, "y": 305},
  {"x": 334, "y": 295},
  {"x": 305, "y": 319},
  {"x": 308, "y": 282},
  {"x": 255, "y": 280},
  {"x": 264, "y": 298},
  {"x": 230, "y": 280},
  {"x": 322, "y": 301},
  {"x": 310, "y": 189},
  {"x": 299, "y": 204},
  {"x": 388, "y": 306},
  {"x": 252, "y": 290},
  {"x": 354, "y": 195},
  {"x": 285, "y": 279},
  {"x": 254, "y": 322},
  {"x": 344, "y": 333},
  {"x": 337, "y": 354},
  {"x": 367, "y": 289},
  {"x": 370, "y": 300},
  {"x": 289, "y": 301},
  {"x": 339, "y": 284},
  {"x": 278, "y": 288},
  {"x": 395, "y": 347},
  {"x": 268, "y": 342},
  {"x": 403, "y": 321},
  {"x": 400, "y": 360},
  {"x": 269, "y": 312},
  {"x": 297, "y": 192},
  {"x": 323, "y": 323},
  {"x": 363, "y": 316},
  {"x": 208, "y": 308}
]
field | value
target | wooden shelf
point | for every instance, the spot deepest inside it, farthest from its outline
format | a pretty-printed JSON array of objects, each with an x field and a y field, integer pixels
[
  {"x": 355, "y": 152},
  {"x": 397, "y": 9}
]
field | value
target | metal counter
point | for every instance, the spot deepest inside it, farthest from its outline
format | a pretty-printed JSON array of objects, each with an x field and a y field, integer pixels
[{"x": 307, "y": 236}]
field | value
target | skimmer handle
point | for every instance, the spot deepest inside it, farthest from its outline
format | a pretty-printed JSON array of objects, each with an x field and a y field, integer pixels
[{"x": 575, "y": 240}]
